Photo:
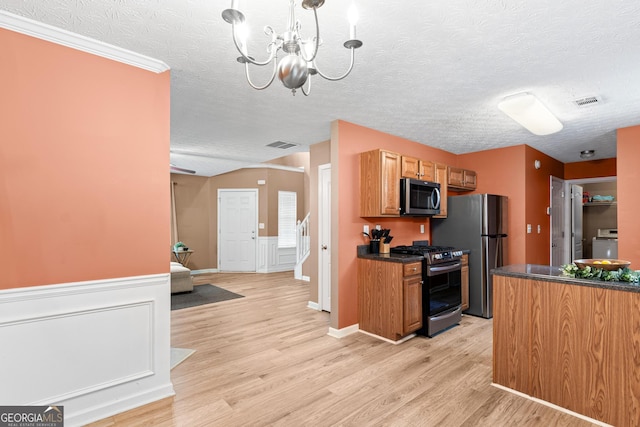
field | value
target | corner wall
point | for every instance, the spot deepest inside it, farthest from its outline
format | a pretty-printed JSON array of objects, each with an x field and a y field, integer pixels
[
  {"x": 628, "y": 204},
  {"x": 84, "y": 226},
  {"x": 347, "y": 142}
]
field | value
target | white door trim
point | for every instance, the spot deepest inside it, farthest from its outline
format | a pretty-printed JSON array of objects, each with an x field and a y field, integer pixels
[
  {"x": 324, "y": 283},
  {"x": 219, "y": 232}
]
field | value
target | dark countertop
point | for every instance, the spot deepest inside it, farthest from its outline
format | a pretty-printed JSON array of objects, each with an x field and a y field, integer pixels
[
  {"x": 363, "y": 252},
  {"x": 549, "y": 273}
]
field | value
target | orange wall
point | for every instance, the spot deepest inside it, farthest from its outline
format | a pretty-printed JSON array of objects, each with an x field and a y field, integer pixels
[
  {"x": 590, "y": 169},
  {"x": 628, "y": 203},
  {"x": 83, "y": 166},
  {"x": 538, "y": 196},
  {"x": 351, "y": 140},
  {"x": 511, "y": 172},
  {"x": 492, "y": 166}
]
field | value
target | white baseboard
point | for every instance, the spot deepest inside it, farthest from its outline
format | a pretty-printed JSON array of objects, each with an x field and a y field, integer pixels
[
  {"x": 313, "y": 305},
  {"x": 306, "y": 278},
  {"x": 97, "y": 348},
  {"x": 341, "y": 333}
]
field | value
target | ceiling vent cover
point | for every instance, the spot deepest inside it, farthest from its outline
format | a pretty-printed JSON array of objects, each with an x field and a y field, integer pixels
[
  {"x": 589, "y": 100},
  {"x": 281, "y": 144}
]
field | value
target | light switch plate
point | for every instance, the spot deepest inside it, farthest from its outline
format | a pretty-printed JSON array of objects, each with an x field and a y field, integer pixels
[
  {"x": 528, "y": 228},
  {"x": 366, "y": 228},
  {"x": 539, "y": 229},
  {"x": 422, "y": 228},
  {"x": 261, "y": 226}
]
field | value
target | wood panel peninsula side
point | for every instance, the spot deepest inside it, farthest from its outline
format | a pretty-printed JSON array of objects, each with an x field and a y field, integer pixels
[{"x": 574, "y": 343}]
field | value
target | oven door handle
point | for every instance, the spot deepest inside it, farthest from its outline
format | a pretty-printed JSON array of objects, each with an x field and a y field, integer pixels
[{"x": 444, "y": 269}]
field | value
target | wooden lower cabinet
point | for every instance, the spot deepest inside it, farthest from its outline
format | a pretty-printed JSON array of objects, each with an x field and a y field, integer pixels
[
  {"x": 465, "y": 282},
  {"x": 389, "y": 298},
  {"x": 571, "y": 345}
]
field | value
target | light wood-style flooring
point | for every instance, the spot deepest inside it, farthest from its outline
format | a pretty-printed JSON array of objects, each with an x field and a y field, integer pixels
[{"x": 266, "y": 360}]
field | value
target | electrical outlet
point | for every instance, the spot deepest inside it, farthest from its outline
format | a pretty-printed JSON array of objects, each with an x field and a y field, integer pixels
[
  {"x": 366, "y": 228},
  {"x": 528, "y": 228},
  {"x": 422, "y": 228},
  {"x": 539, "y": 228}
]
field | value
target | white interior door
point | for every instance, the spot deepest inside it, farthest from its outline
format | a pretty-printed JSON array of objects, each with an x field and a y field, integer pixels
[
  {"x": 576, "y": 222},
  {"x": 558, "y": 254},
  {"x": 237, "y": 229},
  {"x": 324, "y": 234}
]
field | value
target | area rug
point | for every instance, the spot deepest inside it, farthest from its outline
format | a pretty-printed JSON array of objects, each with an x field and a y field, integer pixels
[
  {"x": 201, "y": 294},
  {"x": 179, "y": 355}
]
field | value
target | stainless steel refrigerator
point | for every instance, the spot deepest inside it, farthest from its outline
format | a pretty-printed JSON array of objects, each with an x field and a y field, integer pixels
[{"x": 477, "y": 222}]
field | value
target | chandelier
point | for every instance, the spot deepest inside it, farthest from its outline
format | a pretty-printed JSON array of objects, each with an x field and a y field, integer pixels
[{"x": 298, "y": 64}]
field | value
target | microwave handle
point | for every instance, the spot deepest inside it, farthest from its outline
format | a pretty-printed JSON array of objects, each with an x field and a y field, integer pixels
[{"x": 436, "y": 204}]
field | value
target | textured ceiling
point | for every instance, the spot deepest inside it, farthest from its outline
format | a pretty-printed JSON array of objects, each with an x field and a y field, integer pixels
[{"x": 432, "y": 72}]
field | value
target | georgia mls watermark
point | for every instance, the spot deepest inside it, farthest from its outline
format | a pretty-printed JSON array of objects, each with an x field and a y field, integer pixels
[{"x": 31, "y": 416}]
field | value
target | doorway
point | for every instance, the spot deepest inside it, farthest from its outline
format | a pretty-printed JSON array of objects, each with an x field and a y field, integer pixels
[
  {"x": 237, "y": 229},
  {"x": 324, "y": 237},
  {"x": 580, "y": 221}
]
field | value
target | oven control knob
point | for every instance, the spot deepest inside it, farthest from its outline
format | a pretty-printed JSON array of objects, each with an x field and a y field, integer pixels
[{"x": 438, "y": 256}]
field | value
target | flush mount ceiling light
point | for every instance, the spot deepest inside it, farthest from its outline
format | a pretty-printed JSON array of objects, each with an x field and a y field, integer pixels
[
  {"x": 299, "y": 62},
  {"x": 529, "y": 112},
  {"x": 587, "y": 154}
]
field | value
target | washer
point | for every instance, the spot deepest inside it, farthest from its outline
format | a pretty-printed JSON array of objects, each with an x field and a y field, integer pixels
[{"x": 605, "y": 244}]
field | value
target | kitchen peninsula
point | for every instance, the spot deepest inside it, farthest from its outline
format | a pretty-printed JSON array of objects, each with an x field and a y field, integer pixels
[{"x": 571, "y": 342}]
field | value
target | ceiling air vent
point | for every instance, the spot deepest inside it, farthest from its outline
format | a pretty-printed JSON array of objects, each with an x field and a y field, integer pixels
[
  {"x": 281, "y": 144},
  {"x": 589, "y": 100}
]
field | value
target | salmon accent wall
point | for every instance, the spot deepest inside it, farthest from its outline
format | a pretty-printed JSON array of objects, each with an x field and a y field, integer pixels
[
  {"x": 538, "y": 196},
  {"x": 348, "y": 140},
  {"x": 591, "y": 169},
  {"x": 83, "y": 166},
  {"x": 492, "y": 166},
  {"x": 628, "y": 177},
  {"x": 511, "y": 172}
]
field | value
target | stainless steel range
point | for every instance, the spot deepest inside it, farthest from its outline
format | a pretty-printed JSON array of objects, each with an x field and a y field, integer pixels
[{"x": 441, "y": 285}]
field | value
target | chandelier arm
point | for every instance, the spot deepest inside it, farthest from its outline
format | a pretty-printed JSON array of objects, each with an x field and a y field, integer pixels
[
  {"x": 272, "y": 47},
  {"x": 273, "y": 76},
  {"x": 334, "y": 79},
  {"x": 308, "y": 91},
  {"x": 317, "y": 39}
]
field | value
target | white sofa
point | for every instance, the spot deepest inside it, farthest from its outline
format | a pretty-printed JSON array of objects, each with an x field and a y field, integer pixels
[{"x": 180, "y": 278}]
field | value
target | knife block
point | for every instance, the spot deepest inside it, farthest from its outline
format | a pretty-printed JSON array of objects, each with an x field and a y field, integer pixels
[{"x": 384, "y": 248}]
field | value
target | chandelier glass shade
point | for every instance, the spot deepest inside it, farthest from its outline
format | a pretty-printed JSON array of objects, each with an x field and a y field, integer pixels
[{"x": 298, "y": 60}]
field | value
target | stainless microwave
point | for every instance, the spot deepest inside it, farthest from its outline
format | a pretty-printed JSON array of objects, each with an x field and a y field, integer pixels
[{"x": 419, "y": 198}]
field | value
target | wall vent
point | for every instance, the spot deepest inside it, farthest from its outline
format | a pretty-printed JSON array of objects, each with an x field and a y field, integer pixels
[
  {"x": 281, "y": 144},
  {"x": 589, "y": 100}
]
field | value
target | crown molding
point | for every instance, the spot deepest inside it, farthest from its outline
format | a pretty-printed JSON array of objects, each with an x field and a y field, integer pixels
[{"x": 62, "y": 37}]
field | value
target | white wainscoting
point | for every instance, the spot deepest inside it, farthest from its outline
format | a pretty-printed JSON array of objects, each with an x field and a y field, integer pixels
[
  {"x": 98, "y": 348},
  {"x": 272, "y": 259}
]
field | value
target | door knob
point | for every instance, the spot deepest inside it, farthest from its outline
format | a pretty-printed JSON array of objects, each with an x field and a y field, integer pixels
[{"x": 324, "y": 247}]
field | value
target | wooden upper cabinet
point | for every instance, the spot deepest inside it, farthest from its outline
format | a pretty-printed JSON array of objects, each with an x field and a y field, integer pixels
[
  {"x": 417, "y": 169},
  {"x": 470, "y": 179},
  {"x": 380, "y": 183},
  {"x": 461, "y": 179},
  {"x": 440, "y": 176}
]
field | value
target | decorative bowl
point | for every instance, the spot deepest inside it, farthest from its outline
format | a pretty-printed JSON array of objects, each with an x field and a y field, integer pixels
[{"x": 605, "y": 264}]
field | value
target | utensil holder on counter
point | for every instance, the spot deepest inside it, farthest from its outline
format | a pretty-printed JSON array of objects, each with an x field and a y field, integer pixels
[
  {"x": 384, "y": 247},
  {"x": 374, "y": 246}
]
